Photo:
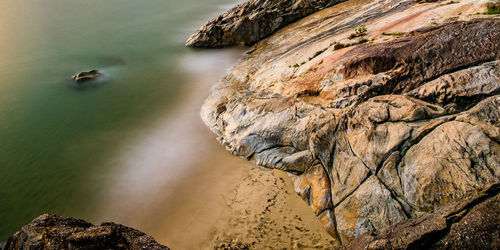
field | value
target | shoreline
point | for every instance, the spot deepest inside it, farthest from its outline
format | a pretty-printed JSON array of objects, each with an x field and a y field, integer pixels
[
  {"x": 345, "y": 140},
  {"x": 194, "y": 196},
  {"x": 337, "y": 101}
]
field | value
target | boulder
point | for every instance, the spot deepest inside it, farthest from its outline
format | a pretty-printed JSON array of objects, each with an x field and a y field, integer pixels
[
  {"x": 251, "y": 21},
  {"x": 86, "y": 76},
  {"x": 56, "y": 232}
]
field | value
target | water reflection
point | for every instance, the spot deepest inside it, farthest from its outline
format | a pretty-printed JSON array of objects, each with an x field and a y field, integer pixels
[
  {"x": 58, "y": 142},
  {"x": 159, "y": 173}
]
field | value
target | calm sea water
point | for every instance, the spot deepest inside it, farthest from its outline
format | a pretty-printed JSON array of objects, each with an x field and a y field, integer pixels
[{"x": 55, "y": 137}]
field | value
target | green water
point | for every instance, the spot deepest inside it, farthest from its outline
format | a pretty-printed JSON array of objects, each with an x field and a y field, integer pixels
[{"x": 55, "y": 137}]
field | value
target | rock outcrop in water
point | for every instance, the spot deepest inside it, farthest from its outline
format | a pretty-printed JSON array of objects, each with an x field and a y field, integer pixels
[
  {"x": 249, "y": 22},
  {"x": 86, "y": 76},
  {"x": 56, "y": 232},
  {"x": 378, "y": 129}
]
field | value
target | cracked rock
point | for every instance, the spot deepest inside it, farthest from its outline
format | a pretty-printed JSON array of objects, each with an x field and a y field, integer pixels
[
  {"x": 471, "y": 223},
  {"x": 374, "y": 133}
]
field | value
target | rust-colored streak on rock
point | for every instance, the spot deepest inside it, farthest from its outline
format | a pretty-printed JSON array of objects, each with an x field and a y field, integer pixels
[{"x": 405, "y": 19}]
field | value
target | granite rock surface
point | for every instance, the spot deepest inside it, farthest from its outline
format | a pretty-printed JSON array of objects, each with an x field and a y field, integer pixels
[{"x": 377, "y": 129}]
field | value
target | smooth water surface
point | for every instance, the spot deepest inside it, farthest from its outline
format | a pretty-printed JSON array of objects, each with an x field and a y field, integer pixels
[{"x": 56, "y": 138}]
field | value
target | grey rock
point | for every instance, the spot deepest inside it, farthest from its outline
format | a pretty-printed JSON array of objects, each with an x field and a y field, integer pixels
[
  {"x": 252, "y": 21},
  {"x": 415, "y": 131},
  {"x": 372, "y": 133}
]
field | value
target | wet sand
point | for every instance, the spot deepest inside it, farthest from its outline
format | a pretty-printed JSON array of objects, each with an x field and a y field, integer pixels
[{"x": 177, "y": 183}]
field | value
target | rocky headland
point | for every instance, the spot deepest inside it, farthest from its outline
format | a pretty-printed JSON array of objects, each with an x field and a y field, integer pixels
[{"x": 383, "y": 112}]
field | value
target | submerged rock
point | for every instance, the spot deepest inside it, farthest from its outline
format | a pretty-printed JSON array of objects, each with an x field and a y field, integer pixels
[
  {"x": 249, "y": 22},
  {"x": 86, "y": 76},
  {"x": 377, "y": 133},
  {"x": 56, "y": 232}
]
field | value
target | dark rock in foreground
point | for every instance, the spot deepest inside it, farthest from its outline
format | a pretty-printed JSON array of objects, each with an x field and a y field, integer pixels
[
  {"x": 87, "y": 76},
  {"x": 56, "y": 232},
  {"x": 472, "y": 223},
  {"x": 252, "y": 21}
]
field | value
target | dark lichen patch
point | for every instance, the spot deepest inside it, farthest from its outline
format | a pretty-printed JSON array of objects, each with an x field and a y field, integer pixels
[
  {"x": 493, "y": 8},
  {"x": 449, "y": 2},
  {"x": 394, "y": 33},
  {"x": 340, "y": 46},
  {"x": 361, "y": 41},
  {"x": 359, "y": 32},
  {"x": 317, "y": 53}
]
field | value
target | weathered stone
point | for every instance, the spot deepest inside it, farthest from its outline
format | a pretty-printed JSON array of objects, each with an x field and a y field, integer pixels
[
  {"x": 347, "y": 172},
  {"x": 462, "y": 87},
  {"x": 369, "y": 208},
  {"x": 471, "y": 223},
  {"x": 468, "y": 161},
  {"x": 251, "y": 21},
  {"x": 86, "y": 76},
  {"x": 56, "y": 232},
  {"x": 485, "y": 115},
  {"x": 396, "y": 128}
]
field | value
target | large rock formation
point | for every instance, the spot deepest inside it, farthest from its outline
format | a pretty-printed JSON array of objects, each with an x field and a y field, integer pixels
[
  {"x": 249, "y": 22},
  {"x": 472, "y": 223},
  {"x": 56, "y": 232},
  {"x": 392, "y": 127}
]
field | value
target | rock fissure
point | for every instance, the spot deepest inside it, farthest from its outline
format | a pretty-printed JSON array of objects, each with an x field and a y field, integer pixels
[
  {"x": 357, "y": 156},
  {"x": 400, "y": 200},
  {"x": 352, "y": 192}
]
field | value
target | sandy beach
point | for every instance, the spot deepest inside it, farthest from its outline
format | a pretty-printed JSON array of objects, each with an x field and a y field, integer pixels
[{"x": 192, "y": 194}]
